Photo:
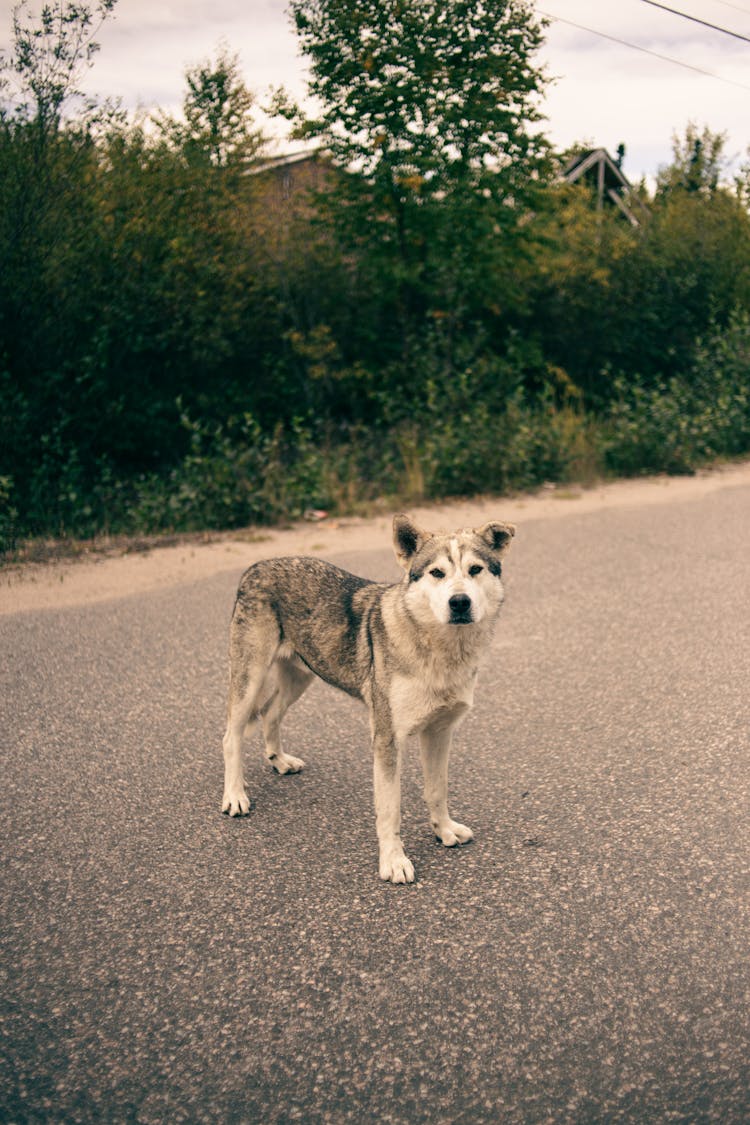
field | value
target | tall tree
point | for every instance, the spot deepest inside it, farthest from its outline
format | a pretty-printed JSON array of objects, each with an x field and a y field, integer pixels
[
  {"x": 438, "y": 94},
  {"x": 50, "y": 53},
  {"x": 218, "y": 126},
  {"x": 49, "y": 245},
  {"x": 698, "y": 162},
  {"x": 430, "y": 107}
]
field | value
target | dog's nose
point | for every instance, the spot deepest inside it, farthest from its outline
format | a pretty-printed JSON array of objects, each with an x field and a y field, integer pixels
[{"x": 460, "y": 604}]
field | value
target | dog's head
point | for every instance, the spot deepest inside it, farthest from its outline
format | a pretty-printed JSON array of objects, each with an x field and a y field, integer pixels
[{"x": 454, "y": 579}]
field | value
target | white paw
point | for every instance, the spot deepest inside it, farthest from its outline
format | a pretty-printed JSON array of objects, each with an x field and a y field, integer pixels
[
  {"x": 235, "y": 803},
  {"x": 452, "y": 833},
  {"x": 395, "y": 867},
  {"x": 286, "y": 763}
]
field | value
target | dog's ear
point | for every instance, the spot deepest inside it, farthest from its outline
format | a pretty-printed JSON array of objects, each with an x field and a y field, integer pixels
[
  {"x": 497, "y": 535},
  {"x": 407, "y": 538}
]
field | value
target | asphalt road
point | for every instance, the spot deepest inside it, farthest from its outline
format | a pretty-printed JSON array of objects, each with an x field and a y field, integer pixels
[{"x": 585, "y": 960}]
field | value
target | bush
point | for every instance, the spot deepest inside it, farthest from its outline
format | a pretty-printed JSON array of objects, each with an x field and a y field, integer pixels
[
  {"x": 679, "y": 424},
  {"x": 233, "y": 475},
  {"x": 472, "y": 434},
  {"x": 8, "y": 516}
]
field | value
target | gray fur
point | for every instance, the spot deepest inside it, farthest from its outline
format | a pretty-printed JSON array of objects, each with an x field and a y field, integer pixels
[{"x": 409, "y": 651}]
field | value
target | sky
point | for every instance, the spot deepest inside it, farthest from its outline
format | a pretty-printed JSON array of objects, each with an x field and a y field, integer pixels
[{"x": 602, "y": 92}]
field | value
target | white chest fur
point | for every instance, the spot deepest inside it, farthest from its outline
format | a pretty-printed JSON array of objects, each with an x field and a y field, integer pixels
[{"x": 435, "y": 697}]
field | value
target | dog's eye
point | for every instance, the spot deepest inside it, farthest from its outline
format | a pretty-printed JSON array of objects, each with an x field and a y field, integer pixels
[
  {"x": 436, "y": 572},
  {"x": 475, "y": 570}
]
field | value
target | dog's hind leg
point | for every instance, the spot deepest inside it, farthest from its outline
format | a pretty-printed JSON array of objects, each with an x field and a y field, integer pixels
[
  {"x": 435, "y": 748},
  {"x": 252, "y": 651},
  {"x": 291, "y": 680}
]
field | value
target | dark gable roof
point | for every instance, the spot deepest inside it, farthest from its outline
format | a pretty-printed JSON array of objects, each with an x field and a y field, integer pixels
[{"x": 599, "y": 170}]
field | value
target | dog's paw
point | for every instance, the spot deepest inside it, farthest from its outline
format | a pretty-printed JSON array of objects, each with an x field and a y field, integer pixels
[
  {"x": 287, "y": 763},
  {"x": 235, "y": 803},
  {"x": 395, "y": 867},
  {"x": 452, "y": 833}
]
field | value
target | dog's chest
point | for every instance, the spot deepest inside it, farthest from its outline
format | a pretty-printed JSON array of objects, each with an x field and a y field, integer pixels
[{"x": 439, "y": 696}]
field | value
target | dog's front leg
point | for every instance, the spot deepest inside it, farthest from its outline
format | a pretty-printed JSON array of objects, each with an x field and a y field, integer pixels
[
  {"x": 435, "y": 748},
  {"x": 394, "y": 865},
  {"x": 235, "y": 801}
]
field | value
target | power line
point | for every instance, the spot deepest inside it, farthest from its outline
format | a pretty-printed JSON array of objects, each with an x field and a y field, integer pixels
[
  {"x": 694, "y": 19},
  {"x": 645, "y": 50},
  {"x": 737, "y": 8}
]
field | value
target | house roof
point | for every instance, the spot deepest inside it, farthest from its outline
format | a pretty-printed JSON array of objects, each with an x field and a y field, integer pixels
[
  {"x": 288, "y": 160},
  {"x": 597, "y": 166}
]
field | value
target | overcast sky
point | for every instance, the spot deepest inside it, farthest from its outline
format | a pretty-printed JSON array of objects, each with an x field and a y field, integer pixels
[{"x": 604, "y": 92}]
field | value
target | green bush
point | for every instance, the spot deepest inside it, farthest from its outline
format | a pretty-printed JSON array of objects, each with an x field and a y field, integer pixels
[
  {"x": 232, "y": 475},
  {"x": 686, "y": 421},
  {"x": 8, "y": 515}
]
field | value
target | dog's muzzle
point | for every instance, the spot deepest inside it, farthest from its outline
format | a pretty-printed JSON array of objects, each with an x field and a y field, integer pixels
[{"x": 460, "y": 607}]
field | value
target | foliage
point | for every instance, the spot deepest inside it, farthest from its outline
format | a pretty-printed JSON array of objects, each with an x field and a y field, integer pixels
[
  {"x": 217, "y": 125},
  {"x": 428, "y": 109},
  {"x": 615, "y": 300},
  {"x": 677, "y": 425},
  {"x": 697, "y": 164},
  {"x": 190, "y": 336},
  {"x": 50, "y": 53},
  {"x": 425, "y": 98}
]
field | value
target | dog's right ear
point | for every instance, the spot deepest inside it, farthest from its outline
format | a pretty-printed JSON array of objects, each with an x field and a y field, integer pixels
[{"x": 407, "y": 538}]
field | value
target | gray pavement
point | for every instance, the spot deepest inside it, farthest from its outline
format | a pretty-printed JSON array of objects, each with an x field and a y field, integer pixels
[{"x": 585, "y": 960}]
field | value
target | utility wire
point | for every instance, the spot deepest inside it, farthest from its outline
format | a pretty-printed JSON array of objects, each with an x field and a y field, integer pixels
[
  {"x": 645, "y": 50},
  {"x": 694, "y": 19},
  {"x": 737, "y": 8}
]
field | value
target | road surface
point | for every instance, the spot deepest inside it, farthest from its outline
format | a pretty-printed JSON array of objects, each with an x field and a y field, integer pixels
[{"x": 585, "y": 960}]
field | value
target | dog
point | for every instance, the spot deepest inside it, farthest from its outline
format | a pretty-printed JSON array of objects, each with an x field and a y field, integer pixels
[{"x": 410, "y": 651}]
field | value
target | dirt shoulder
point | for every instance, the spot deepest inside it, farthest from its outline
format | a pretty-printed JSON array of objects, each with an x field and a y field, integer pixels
[{"x": 97, "y": 578}]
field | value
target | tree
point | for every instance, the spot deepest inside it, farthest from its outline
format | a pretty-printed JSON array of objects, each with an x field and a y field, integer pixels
[
  {"x": 616, "y": 300},
  {"x": 49, "y": 242},
  {"x": 698, "y": 162},
  {"x": 425, "y": 97},
  {"x": 575, "y": 278},
  {"x": 428, "y": 108},
  {"x": 50, "y": 52},
  {"x": 742, "y": 182},
  {"x": 218, "y": 126}
]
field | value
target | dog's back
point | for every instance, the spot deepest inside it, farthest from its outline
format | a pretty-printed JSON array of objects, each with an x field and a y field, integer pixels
[{"x": 321, "y": 611}]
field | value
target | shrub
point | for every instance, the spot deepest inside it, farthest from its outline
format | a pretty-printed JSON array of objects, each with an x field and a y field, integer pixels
[
  {"x": 679, "y": 424},
  {"x": 8, "y": 515},
  {"x": 232, "y": 475}
]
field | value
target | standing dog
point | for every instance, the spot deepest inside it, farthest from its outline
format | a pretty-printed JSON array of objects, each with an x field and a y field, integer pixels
[{"x": 409, "y": 651}]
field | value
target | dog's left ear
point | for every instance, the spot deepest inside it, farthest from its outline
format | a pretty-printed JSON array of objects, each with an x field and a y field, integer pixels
[
  {"x": 497, "y": 535},
  {"x": 407, "y": 538}
]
